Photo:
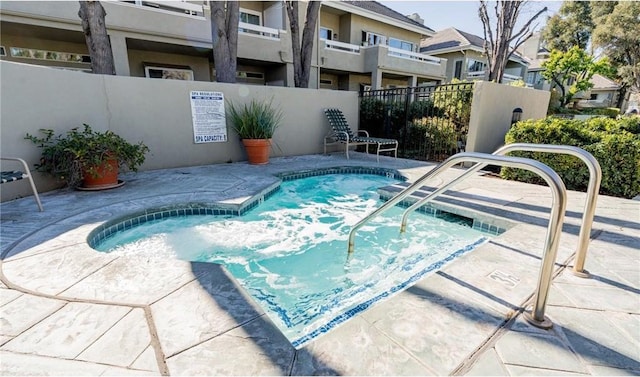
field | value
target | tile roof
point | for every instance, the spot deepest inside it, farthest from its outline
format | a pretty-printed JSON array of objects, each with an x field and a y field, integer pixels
[{"x": 376, "y": 7}]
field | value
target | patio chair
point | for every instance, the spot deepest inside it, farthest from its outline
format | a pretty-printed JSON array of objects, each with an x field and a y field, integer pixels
[
  {"x": 341, "y": 134},
  {"x": 16, "y": 175}
]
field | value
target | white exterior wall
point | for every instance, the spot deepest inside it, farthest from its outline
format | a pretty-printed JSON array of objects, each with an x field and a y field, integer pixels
[
  {"x": 492, "y": 109},
  {"x": 155, "y": 111}
]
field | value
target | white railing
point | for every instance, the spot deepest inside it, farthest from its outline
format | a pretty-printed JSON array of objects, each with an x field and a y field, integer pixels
[
  {"x": 400, "y": 53},
  {"x": 341, "y": 46},
  {"x": 475, "y": 74},
  {"x": 262, "y": 31},
  {"x": 181, "y": 7},
  {"x": 508, "y": 78}
]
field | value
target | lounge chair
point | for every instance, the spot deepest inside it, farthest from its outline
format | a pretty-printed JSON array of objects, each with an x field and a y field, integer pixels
[
  {"x": 341, "y": 134},
  {"x": 16, "y": 175}
]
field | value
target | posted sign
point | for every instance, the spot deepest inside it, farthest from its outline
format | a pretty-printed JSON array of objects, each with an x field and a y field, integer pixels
[{"x": 207, "y": 113}]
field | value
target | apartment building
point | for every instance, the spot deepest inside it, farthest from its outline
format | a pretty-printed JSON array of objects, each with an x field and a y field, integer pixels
[
  {"x": 465, "y": 57},
  {"x": 359, "y": 45}
]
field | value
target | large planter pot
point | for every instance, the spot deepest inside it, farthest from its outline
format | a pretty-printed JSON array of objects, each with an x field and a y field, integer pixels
[
  {"x": 257, "y": 150},
  {"x": 106, "y": 176}
]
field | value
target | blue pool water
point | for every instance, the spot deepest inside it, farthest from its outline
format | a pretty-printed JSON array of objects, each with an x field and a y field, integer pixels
[{"x": 290, "y": 253}]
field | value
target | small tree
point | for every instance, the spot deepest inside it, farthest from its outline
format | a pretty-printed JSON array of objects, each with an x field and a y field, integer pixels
[
  {"x": 93, "y": 15},
  {"x": 302, "y": 48},
  {"x": 572, "y": 71},
  {"x": 499, "y": 46},
  {"x": 225, "y": 16}
]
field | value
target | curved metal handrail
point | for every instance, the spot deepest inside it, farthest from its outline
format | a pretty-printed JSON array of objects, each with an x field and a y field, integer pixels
[
  {"x": 595, "y": 177},
  {"x": 554, "y": 229}
]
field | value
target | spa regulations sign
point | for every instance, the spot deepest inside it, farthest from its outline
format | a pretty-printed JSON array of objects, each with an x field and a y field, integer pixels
[{"x": 207, "y": 113}]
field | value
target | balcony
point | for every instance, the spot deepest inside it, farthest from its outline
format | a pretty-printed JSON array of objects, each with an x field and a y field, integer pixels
[
  {"x": 404, "y": 62},
  {"x": 259, "y": 31},
  {"x": 262, "y": 43},
  {"x": 506, "y": 78},
  {"x": 341, "y": 46}
]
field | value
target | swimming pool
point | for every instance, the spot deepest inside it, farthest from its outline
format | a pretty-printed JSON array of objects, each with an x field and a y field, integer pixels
[{"x": 290, "y": 252}]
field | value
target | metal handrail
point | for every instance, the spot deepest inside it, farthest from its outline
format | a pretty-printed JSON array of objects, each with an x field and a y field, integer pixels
[
  {"x": 595, "y": 177},
  {"x": 554, "y": 229}
]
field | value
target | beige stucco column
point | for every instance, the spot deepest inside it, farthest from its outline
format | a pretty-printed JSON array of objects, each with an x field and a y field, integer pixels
[
  {"x": 376, "y": 79},
  {"x": 120, "y": 54},
  {"x": 412, "y": 81}
]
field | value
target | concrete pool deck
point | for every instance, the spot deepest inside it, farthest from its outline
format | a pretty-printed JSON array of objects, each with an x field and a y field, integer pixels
[{"x": 70, "y": 310}]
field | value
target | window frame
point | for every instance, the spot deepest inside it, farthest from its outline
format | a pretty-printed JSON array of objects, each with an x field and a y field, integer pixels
[
  {"x": 251, "y": 12},
  {"x": 402, "y": 41},
  {"x": 147, "y": 69},
  {"x": 330, "y": 33}
]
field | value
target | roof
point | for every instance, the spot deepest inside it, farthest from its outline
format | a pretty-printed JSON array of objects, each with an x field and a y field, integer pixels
[
  {"x": 376, "y": 7},
  {"x": 602, "y": 83},
  {"x": 451, "y": 38}
]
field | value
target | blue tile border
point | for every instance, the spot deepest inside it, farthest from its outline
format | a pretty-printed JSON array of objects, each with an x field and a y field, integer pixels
[
  {"x": 109, "y": 228},
  {"x": 298, "y": 343}
]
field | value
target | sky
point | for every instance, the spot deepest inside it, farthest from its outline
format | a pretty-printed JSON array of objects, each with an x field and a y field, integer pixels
[{"x": 463, "y": 15}]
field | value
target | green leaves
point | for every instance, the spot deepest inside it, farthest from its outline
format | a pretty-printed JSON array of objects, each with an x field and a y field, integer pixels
[
  {"x": 572, "y": 71},
  {"x": 66, "y": 155},
  {"x": 255, "y": 120},
  {"x": 614, "y": 143}
]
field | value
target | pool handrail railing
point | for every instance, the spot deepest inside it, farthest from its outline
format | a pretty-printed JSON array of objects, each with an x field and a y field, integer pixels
[
  {"x": 554, "y": 228},
  {"x": 593, "y": 187}
]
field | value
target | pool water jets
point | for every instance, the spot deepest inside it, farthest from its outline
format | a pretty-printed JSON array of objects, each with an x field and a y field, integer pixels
[{"x": 290, "y": 252}]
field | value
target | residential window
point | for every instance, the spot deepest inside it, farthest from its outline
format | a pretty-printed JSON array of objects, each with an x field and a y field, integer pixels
[
  {"x": 250, "y": 17},
  {"x": 3, "y": 52},
  {"x": 31, "y": 53},
  {"x": 457, "y": 70},
  {"x": 326, "y": 33},
  {"x": 169, "y": 73},
  {"x": 372, "y": 39},
  {"x": 250, "y": 75},
  {"x": 403, "y": 45},
  {"x": 594, "y": 97},
  {"x": 475, "y": 65}
]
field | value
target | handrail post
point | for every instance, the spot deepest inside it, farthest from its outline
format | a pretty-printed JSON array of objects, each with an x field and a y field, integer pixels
[
  {"x": 554, "y": 229},
  {"x": 595, "y": 177},
  {"x": 593, "y": 188}
]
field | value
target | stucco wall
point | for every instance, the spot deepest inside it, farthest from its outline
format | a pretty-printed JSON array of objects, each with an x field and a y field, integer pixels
[
  {"x": 492, "y": 109},
  {"x": 155, "y": 111}
]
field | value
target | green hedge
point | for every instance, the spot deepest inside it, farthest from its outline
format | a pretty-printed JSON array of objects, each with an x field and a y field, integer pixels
[{"x": 614, "y": 143}]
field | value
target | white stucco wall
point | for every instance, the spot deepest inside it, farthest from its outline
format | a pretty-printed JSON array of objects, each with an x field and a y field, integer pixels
[
  {"x": 157, "y": 112},
  {"x": 491, "y": 112}
]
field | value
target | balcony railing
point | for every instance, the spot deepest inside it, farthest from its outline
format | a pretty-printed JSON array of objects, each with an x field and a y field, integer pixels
[
  {"x": 400, "y": 53},
  {"x": 341, "y": 46},
  {"x": 261, "y": 31},
  {"x": 476, "y": 75}
]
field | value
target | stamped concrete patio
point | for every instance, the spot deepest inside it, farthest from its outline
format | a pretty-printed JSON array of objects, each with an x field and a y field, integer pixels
[{"x": 70, "y": 310}]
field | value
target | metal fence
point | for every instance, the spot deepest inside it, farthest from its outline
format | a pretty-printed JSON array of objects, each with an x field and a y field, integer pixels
[{"x": 430, "y": 122}]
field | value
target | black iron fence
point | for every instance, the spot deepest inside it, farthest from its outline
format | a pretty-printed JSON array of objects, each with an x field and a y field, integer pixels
[{"x": 430, "y": 122}]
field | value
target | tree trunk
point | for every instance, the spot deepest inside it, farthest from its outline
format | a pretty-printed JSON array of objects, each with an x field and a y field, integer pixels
[
  {"x": 302, "y": 49},
  {"x": 92, "y": 15},
  {"x": 503, "y": 44},
  {"x": 224, "y": 36}
]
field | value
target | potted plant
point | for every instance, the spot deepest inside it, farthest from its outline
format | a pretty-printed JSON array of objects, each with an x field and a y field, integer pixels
[
  {"x": 87, "y": 159},
  {"x": 255, "y": 123}
]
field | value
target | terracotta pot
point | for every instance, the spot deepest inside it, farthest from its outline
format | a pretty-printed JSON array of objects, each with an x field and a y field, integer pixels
[
  {"x": 107, "y": 176},
  {"x": 257, "y": 150}
]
